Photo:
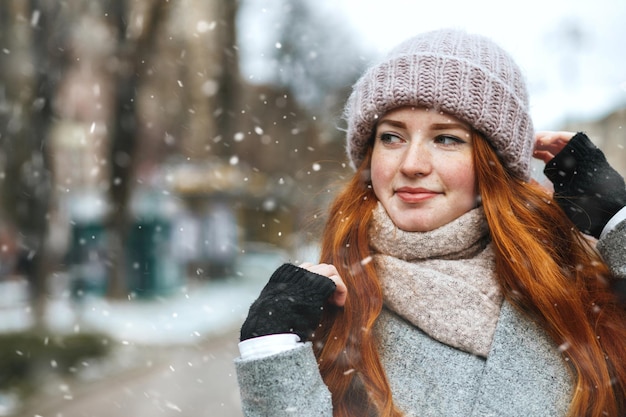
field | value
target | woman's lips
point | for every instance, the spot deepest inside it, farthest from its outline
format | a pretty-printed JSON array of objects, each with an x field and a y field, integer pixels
[{"x": 415, "y": 195}]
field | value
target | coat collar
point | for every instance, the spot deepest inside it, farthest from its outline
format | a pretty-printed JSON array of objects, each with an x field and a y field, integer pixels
[{"x": 525, "y": 373}]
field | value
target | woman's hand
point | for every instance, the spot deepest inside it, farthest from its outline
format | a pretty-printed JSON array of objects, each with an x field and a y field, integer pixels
[
  {"x": 586, "y": 187},
  {"x": 293, "y": 301},
  {"x": 548, "y": 144},
  {"x": 340, "y": 294}
]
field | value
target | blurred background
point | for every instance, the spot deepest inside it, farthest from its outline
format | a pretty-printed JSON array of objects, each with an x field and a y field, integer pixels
[{"x": 158, "y": 159}]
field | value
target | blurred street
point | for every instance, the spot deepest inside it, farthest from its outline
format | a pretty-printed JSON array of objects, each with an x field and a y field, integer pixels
[
  {"x": 188, "y": 381},
  {"x": 174, "y": 356}
]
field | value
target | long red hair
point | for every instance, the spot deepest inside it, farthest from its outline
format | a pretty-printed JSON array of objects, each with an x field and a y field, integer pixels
[{"x": 545, "y": 267}]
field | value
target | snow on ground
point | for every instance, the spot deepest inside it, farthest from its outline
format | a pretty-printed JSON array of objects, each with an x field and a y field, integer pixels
[
  {"x": 200, "y": 309},
  {"x": 144, "y": 330}
]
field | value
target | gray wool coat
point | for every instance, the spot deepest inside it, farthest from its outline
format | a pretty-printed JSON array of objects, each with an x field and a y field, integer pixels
[{"x": 524, "y": 374}]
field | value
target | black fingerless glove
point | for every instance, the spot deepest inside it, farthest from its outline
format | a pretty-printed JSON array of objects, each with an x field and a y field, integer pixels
[
  {"x": 586, "y": 187},
  {"x": 291, "y": 302}
]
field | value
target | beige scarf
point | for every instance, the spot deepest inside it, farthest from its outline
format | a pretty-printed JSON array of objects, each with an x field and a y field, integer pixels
[{"x": 441, "y": 281}]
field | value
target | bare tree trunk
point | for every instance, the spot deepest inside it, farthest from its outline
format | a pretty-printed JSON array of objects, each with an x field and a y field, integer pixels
[
  {"x": 132, "y": 54},
  {"x": 229, "y": 81},
  {"x": 29, "y": 80}
]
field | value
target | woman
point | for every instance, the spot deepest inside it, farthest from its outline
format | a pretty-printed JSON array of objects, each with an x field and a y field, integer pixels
[{"x": 450, "y": 284}]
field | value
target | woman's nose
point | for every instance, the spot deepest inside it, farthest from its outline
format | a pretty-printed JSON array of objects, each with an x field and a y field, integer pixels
[{"x": 416, "y": 160}]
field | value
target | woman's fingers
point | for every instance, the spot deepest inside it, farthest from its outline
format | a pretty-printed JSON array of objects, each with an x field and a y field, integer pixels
[
  {"x": 549, "y": 143},
  {"x": 341, "y": 292}
]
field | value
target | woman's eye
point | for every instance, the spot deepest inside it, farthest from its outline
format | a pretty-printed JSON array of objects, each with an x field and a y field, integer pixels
[
  {"x": 448, "y": 140},
  {"x": 389, "y": 138}
]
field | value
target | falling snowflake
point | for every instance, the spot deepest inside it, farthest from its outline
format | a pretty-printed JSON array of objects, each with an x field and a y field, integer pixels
[{"x": 203, "y": 26}]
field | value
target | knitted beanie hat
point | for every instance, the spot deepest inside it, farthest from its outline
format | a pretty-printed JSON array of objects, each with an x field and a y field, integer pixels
[{"x": 465, "y": 75}]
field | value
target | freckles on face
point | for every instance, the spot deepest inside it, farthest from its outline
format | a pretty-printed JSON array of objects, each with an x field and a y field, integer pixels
[{"x": 422, "y": 168}]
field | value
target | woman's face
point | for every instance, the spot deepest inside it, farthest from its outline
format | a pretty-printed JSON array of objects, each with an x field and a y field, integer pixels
[{"x": 422, "y": 168}]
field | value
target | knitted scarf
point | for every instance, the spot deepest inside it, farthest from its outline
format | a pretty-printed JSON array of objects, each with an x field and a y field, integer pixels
[{"x": 441, "y": 281}]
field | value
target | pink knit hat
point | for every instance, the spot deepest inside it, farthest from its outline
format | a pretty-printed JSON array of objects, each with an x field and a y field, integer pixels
[{"x": 467, "y": 76}]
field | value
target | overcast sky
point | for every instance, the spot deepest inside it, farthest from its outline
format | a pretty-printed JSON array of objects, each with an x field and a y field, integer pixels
[{"x": 568, "y": 76}]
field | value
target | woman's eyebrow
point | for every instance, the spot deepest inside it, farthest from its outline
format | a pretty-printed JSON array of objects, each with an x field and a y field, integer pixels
[
  {"x": 394, "y": 123},
  {"x": 448, "y": 126}
]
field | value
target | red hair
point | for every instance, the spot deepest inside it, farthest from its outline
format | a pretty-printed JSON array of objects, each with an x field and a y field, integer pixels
[{"x": 545, "y": 267}]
